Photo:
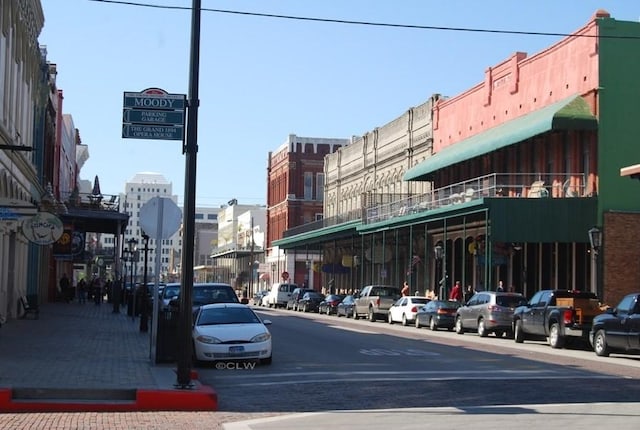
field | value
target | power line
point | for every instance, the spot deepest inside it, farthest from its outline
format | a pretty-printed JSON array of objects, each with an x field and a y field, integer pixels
[{"x": 369, "y": 23}]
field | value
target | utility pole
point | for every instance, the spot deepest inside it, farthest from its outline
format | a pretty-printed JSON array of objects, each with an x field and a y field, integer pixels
[{"x": 191, "y": 151}]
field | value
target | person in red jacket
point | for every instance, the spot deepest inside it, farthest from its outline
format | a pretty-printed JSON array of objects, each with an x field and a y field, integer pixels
[{"x": 456, "y": 292}]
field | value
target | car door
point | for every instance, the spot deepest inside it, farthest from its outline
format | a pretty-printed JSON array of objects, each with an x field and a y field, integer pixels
[
  {"x": 534, "y": 323},
  {"x": 465, "y": 312},
  {"x": 396, "y": 310},
  {"x": 618, "y": 328},
  {"x": 634, "y": 325}
]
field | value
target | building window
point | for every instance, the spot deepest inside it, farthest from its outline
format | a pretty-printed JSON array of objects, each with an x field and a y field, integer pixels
[
  {"x": 320, "y": 187},
  {"x": 318, "y": 216},
  {"x": 308, "y": 185}
]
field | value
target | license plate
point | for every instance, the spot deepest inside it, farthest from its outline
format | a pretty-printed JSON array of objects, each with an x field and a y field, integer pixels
[{"x": 236, "y": 349}]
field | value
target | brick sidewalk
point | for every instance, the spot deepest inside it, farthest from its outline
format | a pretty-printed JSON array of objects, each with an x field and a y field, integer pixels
[{"x": 75, "y": 345}]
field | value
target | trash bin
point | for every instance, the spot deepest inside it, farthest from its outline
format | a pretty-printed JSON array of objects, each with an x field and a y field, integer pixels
[{"x": 167, "y": 338}]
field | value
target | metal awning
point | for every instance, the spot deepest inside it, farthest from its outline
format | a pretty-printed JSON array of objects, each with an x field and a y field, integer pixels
[
  {"x": 319, "y": 236},
  {"x": 572, "y": 113}
]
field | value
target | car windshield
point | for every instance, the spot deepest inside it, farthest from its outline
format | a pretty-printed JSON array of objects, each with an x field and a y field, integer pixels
[
  {"x": 171, "y": 291},
  {"x": 227, "y": 315},
  {"x": 203, "y": 295},
  {"x": 509, "y": 301}
]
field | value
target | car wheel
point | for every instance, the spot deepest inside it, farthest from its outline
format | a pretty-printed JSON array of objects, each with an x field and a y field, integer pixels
[
  {"x": 355, "y": 314},
  {"x": 600, "y": 344},
  {"x": 556, "y": 340},
  {"x": 389, "y": 318},
  {"x": 482, "y": 330},
  {"x": 267, "y": 360},
  {"x": 417, "y": 323},
  {"x": 404, "y": 320},
  {"x": 372, "y": 316},
  {"x": 328, "y": 310},
  {"x": 432, "y": 324},
  {"x": 459, "y": 328},
  {"x": 518, "y": 333}
]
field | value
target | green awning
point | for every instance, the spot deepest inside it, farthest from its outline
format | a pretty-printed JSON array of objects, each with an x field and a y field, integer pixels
[
  {"x": 321, "y": 235},
  {"x": 572, "y": 113}
]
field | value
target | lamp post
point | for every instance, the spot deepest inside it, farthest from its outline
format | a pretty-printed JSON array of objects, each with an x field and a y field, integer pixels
[
  {"x": 131, "y": 309},
  {"x": 144, "y": 291},
  {"x": 595, "y": 240},
  {"x": 123, "y": 287},
  {"x": 438, "y": 251}
]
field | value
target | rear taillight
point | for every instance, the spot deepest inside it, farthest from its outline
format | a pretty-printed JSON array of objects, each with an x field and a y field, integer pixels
[
  {"x": 568, "y": 316},
  {"x": 494, "y": 308},
  {"x": 443, "y": 311},
  {"x": 414, "y": 309}
]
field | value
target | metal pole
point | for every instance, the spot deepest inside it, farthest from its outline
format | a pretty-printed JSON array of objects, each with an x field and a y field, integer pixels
[
  {"x": 144, "y": 296},
  {"x": 191, "y": 151}
]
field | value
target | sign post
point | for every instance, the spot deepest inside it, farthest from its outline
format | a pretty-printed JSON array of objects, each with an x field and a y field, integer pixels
[{"x": 153, "y": 114}]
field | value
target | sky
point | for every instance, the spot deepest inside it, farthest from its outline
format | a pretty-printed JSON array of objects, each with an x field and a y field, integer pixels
[{"x": 263, "y": 78}]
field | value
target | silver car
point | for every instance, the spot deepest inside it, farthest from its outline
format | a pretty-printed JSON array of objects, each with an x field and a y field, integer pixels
[{"x": 488, "y": 312}]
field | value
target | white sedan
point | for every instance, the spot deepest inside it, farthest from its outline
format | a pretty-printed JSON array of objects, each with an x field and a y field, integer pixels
[
  {"x": 230, "y": 331},
  {"x": 406, "y": 309}
]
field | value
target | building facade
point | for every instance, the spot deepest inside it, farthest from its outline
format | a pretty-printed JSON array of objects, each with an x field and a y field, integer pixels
[
  {"x": 522, "y": 167},
  {"x": 295, "y": 196}
]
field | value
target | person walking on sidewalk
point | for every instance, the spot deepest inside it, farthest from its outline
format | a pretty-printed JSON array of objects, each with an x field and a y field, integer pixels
[{"x": 82, "y": 291}]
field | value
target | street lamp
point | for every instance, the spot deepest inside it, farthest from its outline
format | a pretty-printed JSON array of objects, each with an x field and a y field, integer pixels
[
  {"x": 439, "y": 251},
  {"x": 131, "y": 310},
  {"x": 595, "y": 240},
  {"x": 144, "y": 291},
  {"x": 120, "y": 294}
]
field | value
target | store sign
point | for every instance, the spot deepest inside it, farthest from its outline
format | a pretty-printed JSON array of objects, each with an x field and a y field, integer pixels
[{"x": 44, "y": 228}]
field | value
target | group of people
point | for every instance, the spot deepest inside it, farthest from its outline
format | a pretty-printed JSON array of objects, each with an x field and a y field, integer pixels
[
  {"x": 457, "y": 294},
  {"x": 83, "y": 291}
]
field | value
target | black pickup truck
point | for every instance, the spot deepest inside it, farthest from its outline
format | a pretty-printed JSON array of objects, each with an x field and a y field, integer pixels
[{"x": 557, "y": 315}]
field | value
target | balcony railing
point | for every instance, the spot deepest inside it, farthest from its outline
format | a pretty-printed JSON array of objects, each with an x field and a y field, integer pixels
[
  {"x": 108, "y": 202},
  {"x": 512, "y": 185},
  {"x": 325, "y": 222}
]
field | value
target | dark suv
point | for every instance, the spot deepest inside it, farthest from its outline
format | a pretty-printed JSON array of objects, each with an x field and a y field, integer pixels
[
  {"x": 202, "y": 294},
  {"x": 296, "y": 295}
]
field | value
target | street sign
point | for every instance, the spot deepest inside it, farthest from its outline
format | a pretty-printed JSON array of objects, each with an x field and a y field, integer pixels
[
  {"x": 141, "y": 131},
  {"x": 154, "y": 100},
  {"x": 150, "y": 116},
  {"x": 153, "y": 114},
  {"x": 160, "y": 217}
]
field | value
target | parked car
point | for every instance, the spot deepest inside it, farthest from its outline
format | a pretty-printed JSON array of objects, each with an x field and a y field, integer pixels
[
  {"x": 405, "y": 309},
  {"x": 488, "y": 312},
  {"x": 345, "y": 307},
  {"x": 296, "y": 295},
  {"x": 560, "y": 316},
  {"x": 203, "y": 294},
  {"x": 257, "y": 298},
  {"x": 230, "y": 331},
  {"x": 310, "y": 301},
  {"x": 330, "y": 304},
  {"x": 375, "y": 301},
  {"x": 438, "y": 314},
  {"x": 618, "y": 329},
  {"x": 279, "y": 294}
]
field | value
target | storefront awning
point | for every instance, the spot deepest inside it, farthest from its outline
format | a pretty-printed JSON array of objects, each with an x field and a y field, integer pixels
[
  {"x": 318, "y": 236},
  {"x": 572, "y": 113}
]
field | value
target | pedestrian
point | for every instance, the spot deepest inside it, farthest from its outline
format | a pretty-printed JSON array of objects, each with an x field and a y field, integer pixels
[
  {"x": 500, "y": 286},
  {"x": 97, "y": 291},
  {"x": 65, "y": 287},
  {"x": 468, "y": 293},
  {"x": 405, "y": 289},
  {"x": 82, "y": 291},
  {"x": 456, "y": 292}
]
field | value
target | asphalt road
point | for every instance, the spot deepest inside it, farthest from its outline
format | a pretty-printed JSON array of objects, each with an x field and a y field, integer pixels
[{"x": 328, "y": 363}]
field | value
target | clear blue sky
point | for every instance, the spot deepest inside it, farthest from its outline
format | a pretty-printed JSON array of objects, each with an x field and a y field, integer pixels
[{"x": 262, "y": 79}]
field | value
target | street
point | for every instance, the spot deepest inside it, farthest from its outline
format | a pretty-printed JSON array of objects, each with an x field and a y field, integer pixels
[{"x": 326, "y": 363}]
